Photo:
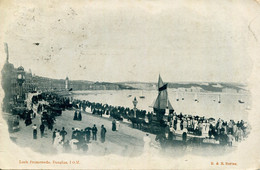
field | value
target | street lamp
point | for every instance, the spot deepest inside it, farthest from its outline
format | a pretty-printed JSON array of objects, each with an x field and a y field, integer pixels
[
  {"x": 135, "y": 103},
  {"x": 20, "y": 81}
]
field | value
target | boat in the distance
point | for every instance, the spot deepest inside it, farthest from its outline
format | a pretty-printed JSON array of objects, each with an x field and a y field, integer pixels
[
  {"x": 196, "y": 97},
  {"x": 177, "y": 96},
  {"x": 142, "y": 96},
  {"x": 241, "y": 101}
]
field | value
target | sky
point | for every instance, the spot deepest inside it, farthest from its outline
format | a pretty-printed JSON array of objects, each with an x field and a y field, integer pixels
[{"x": 132, "y": 40}]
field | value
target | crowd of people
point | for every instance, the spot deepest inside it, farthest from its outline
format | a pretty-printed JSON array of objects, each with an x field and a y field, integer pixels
[
  {"x": 219, "y": 130},
  {"x": 117, "y": 112},
  {"x": 79, "y": 138}
]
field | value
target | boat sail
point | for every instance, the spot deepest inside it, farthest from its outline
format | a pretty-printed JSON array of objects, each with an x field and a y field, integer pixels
[
  {"x": 177, "y": 96},
  {"x": 219, "y": 100},
  {"x": 196, "y": 97},
  {"x": 162, "y": 102},
  {"x": 142, "y": 96}
]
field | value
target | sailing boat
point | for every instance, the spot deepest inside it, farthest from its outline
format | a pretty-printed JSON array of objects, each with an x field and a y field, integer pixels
[
  {"x": 142, "y": 96},
  {"x": 177, "y": 96},
  {"x": 162, "y": 102},
  {"x": 219, "y": 101},
  {"x": 196, "y": 97},
  {"x": 182, "y": 96},
  {"x": 241, "y": 101}
]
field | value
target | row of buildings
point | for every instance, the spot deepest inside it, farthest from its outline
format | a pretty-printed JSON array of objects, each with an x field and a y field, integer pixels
[{"x": 16, "y": 83}]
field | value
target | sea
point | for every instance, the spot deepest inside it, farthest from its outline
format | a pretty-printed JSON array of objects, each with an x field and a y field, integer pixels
[{"x": 227, "y": 106}]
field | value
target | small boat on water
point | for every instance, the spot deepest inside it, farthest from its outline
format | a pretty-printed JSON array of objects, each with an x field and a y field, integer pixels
[
  {"x": 129, "y": 95},
  {"x": 196, "y": 97},
  {"x": 182, "y": 96},
  {"x": 177, "y": 96},
  {"x": 219, "y": 100},
  {"x": 142, "y": 96},
  {"x": 241, "y": 101}
]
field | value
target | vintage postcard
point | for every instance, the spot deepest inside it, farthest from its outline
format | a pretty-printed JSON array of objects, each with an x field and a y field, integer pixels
[{"x": 129, "y": 84}]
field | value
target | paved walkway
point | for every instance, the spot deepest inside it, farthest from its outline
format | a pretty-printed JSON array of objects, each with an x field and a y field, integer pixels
[{"x": 116, "y": 141}]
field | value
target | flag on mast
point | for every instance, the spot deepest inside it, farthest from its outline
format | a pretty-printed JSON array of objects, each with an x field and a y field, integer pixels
[{"x": 162, "y": 102}]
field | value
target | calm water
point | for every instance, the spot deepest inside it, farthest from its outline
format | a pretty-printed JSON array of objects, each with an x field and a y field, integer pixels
[{"x": 208, "y": 105}]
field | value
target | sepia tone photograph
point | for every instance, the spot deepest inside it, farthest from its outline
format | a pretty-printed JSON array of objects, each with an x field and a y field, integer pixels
[{"x": 129, "y": 84}]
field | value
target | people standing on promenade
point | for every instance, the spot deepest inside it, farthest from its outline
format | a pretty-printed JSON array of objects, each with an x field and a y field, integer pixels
[
  {"x": 94, "y": 132},
  {"x": 34, "y": 131},
  {"x": 230, "y": 127},
  {"x": 175, "y": 123},
  {"x": 103, "y": 133},
  {"x": 114, "y": 125},
  {"x": 184, "y": 137},
  {"x": 63, "y": 133},
  {"x": 42, "y": 127},
  {"x": 57, "y": 139},
  {"x": 79, "y": 116},
  {"x": 239, "y": 134},
  {"x": 196, "y": 125},
  {"x": 117, "y": 125},
  {"x": 178, "y": 125},
  {"x": 54, "y": 135},
  {"x": 75, "y": 115},
  {"x": 28, "y": 120},
  {"x": 230, "y": 138},
  {"x": 235, "y": 132},
  {"x": 87, "y": 131}
]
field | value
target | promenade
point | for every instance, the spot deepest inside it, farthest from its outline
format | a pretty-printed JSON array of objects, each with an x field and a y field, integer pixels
[{"x": 126, "y": 141}]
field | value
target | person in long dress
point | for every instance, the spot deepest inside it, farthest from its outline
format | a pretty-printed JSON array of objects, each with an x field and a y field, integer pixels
[
  {"x": 235, "y": 132},
  {"x": 174, "y": 122},
  {"x": 79, "y": 116},
  {"x": 34, "y": 131},
  {"x": 117, "y": 125},
  {"x": 75, "y": 115},
  {"x": 207, "y": 129},
  {"x": 185, "y": 124},
  {"x": 204, "y": 129},
  {"x": 114, "y": 125},
  {"x": 57, "y": 139},
  {"x": 103, "y": 133},
  {"x": 178, "y": 128}
]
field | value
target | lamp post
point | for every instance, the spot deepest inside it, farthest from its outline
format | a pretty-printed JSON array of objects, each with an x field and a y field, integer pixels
[
  {"x": 135, "y": 103},
  {"x": 20, "y": 81}
]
